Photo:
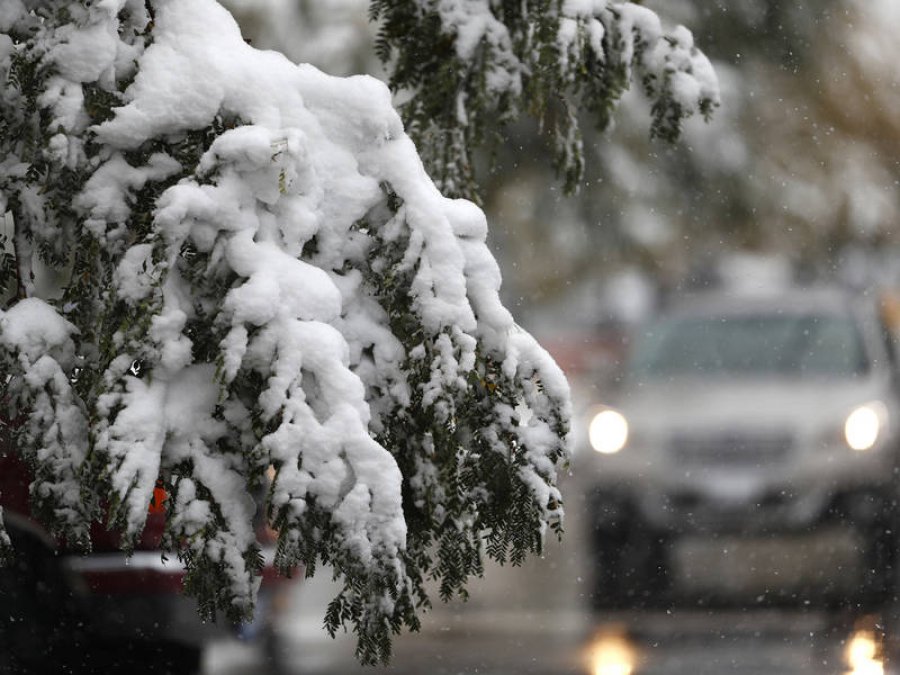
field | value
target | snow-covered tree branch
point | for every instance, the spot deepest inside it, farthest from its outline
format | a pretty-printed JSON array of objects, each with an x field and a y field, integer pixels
[
  {"x": 254, "y": 275},
  {"x": 470, "y": 67}
]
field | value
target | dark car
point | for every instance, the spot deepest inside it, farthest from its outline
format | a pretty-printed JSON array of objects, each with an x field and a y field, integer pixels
[
  {"x": 48, "y": 624},
  {"x": 106, "y": 607}
]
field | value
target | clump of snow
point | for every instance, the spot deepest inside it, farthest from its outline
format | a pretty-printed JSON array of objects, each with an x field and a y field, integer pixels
[
  {"x": 40, "y": 342},
  {"x": 31, "y": 328},
  {"x": 11, "y": 12}
]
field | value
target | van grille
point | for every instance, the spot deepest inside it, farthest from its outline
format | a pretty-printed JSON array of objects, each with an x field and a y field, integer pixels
[{"x": 731, "y": 449}]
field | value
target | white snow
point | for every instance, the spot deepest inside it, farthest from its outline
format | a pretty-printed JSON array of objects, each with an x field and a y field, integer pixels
[
  {"x": 10, "y": 11},
  {"x": 32, "y": 328},
  {"x": 87, "y": 53},
  {"x": 42, "y": 343}
]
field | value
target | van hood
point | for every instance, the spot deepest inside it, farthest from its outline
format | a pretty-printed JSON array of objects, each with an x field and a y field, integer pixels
[{"x": 708, "y": 404}]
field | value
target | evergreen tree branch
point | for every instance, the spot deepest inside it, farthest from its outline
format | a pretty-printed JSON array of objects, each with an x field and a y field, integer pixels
[
  {"x": 259, "y": 279},
  {"x": 469, "y": 68}
]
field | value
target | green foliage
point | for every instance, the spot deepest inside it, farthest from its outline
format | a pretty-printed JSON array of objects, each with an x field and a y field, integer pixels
[
  {"x": 6, "y": 550},
  {"x": 466, "y": 496},
  {"x": 468, "y": 72},
  {"x": 8, "y": 278}
]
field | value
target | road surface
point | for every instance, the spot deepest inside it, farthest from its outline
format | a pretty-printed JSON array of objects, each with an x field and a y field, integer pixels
[{"x": 534, "y": 621}]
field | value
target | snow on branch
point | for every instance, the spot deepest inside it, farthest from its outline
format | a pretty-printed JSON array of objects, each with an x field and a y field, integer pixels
[
  {"x": 266, "y": 304},
  {"x": 468, "y": 68}
]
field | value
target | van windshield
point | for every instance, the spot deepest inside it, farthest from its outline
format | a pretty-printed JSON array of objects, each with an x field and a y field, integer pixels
[{"x": 759, "y": 344}]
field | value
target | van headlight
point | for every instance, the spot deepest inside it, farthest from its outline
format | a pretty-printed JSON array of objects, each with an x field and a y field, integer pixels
[
  {"x": 864, "y": 426},
  {"x": 608, "y": 431}
]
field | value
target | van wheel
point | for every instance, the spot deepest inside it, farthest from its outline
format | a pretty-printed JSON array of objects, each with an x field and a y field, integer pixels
[
  {"x": 880, "y": 567},
  {"x": 631, "y": 570}
]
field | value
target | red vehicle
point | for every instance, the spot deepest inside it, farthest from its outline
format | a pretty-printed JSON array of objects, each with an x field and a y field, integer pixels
[{"x": 134, "y": 600}]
